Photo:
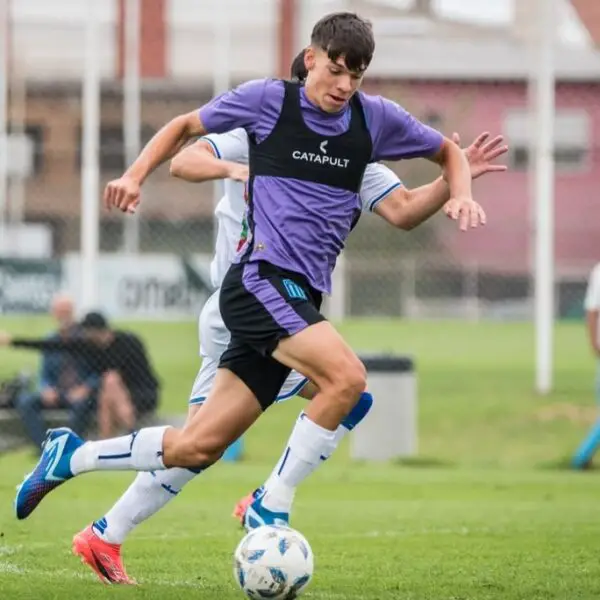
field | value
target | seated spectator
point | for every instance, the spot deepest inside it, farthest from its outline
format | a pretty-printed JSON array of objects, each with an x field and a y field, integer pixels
[
  {"x": 65, "y": 381},
  {"x": 128, "y": 388}
]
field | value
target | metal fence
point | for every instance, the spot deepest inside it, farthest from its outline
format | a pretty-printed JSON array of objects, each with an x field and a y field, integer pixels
[{"x": 457, "y": 76}]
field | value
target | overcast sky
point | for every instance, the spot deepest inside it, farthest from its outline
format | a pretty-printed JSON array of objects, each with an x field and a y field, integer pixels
[{"x": 502, "y": 11}]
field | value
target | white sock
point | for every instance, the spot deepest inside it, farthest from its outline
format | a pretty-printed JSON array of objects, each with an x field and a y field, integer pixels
[
  {"x": 340, "y": 432},
  {"x": 139, "y": 451},
  {"x": 148, "y": 493},
  {"x": 307, "y": 444}
]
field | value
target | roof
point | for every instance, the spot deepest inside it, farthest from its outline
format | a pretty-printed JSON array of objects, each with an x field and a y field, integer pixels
[
  {"x": 417, "y": 45},
  {"x": 495, "y": 56}
]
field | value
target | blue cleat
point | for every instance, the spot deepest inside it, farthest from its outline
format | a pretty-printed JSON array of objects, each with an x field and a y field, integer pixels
[
  {"x": 52, "y": 469},
  {"x": 239, "y": 511},
  {"x": 257, "y": 515}
]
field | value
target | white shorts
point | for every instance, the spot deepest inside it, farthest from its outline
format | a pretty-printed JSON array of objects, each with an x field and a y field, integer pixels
[{"x": 214, "y": 339}]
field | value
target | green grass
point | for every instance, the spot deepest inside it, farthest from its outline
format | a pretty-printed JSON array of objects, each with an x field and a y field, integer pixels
[{"x": 484, "y": 512}]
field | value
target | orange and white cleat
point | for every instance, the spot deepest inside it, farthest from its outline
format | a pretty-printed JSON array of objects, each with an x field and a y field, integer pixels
[
  {"x": 103, "y": 558},
  {"x": 239, "y": 510}
]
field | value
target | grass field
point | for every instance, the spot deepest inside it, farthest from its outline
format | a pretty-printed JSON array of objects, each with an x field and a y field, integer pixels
[{"x": 486, "y": 511}]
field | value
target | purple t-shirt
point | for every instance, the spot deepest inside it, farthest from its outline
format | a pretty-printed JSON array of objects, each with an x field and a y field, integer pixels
[{"x": 299, "y": 225}]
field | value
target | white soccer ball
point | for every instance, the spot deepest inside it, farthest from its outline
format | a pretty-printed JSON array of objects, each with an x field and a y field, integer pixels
[{"x": 273, "y": 562}]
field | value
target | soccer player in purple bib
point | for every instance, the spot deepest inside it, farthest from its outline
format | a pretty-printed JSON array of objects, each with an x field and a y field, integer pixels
[{"x": 309, "y": 147}]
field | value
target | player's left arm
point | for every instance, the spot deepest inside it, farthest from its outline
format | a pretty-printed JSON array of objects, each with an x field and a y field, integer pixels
[
  {"x": 382, "y": 192},
  {"x": 458, "y": 175},
  {"x": 407, "y": 208}
]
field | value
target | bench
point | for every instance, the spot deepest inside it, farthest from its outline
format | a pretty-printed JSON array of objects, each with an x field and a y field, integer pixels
[{"x": 12, "y": 434}]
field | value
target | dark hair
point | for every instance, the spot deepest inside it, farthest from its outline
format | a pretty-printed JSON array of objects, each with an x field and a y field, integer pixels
[
  {"x": 348, "y": 35},
  {"x": 298, "y": 70},
  {"x": 94, "y": 320}
]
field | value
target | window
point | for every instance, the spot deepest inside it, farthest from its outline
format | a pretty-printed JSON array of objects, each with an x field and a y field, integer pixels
[
  {"x": 26, "y": 149},
  {"x": 572, "y": 141},
  {"x": 112, "y": 146}
]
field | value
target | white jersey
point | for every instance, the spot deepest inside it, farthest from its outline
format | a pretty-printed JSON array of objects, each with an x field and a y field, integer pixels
[
  {"x": 377, "y": 183},
  {"x": 592, "y": 296}
]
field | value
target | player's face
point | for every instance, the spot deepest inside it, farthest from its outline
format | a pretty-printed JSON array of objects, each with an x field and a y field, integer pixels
[{"x": 329, "y": 84}]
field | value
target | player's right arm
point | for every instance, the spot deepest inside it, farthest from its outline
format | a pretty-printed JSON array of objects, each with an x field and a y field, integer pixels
[
  {"x": 237, "y": 108},
  {"x": 592, "y": 309},
  {"x": 216, "y": 156},
  {"x": 124, "y": 193}
]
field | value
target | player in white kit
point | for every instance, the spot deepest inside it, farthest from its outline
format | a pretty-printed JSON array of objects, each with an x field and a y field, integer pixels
[{"x": 225, "y": 156}]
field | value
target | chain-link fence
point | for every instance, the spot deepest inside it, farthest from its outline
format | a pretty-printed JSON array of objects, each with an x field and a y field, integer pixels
[{"x": 456, "y": 74}]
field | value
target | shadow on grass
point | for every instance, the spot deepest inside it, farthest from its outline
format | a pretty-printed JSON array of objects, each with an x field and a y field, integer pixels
[
  {"x": 423, "y": 462},
  {"x": 566, "y": 464}
]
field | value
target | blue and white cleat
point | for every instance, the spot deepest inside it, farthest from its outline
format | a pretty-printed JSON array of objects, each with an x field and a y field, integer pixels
[
  {"x": 257, "y": 515},
  {"x": 52, "y": 469}
]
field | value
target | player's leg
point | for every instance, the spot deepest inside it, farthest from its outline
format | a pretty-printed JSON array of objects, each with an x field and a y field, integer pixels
[
  {"x": 235, "y": 402},
  {"x": 585, "y": 452},
  {"x": 297, "y": 385},
  {"x": 99, "y": 544},
  {"x": 151, "y": 491},
  {"x": 350, "y": 421},
  {"x": 304, "y": 341},
  {"x": 340, "y": 380}
]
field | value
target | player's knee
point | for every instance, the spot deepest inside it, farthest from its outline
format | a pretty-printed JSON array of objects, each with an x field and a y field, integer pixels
[
  {"x": 196, "y": 452},
  {"x": 355, "y": 377},
  {"x": 349, "y": 381}
]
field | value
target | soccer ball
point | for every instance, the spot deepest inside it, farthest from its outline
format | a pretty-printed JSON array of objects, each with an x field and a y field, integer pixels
[{"x": 273, "y": 562}]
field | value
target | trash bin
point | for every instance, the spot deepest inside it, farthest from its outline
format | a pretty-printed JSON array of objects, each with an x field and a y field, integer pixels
[{"x": 390, "y": 429}]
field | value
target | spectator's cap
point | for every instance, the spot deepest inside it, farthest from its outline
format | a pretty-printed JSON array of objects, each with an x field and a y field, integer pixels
[{"x": 94, "y": 320}]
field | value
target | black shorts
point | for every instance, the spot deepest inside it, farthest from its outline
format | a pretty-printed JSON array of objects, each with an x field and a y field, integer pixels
[{"x": 261, "y": 304}]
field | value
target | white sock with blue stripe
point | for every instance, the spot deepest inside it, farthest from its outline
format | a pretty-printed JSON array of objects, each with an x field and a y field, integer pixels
[
  {"x": 148, "y": 493},
  {"x": 307, "y": 444},
  {"x": 356, "y": 415},
  {"x": 139, "y": 451}
]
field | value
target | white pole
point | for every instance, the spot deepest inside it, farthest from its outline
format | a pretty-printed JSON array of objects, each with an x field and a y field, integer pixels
[
  {"x": 4, "y": 69},
  {"x": 543, "y": 105},
  {"x": 221, "y": 73},
  {"x": 16, "y": 182},
  {"x": 132, "y": 110},
  {"x": 90, "y": 220}
]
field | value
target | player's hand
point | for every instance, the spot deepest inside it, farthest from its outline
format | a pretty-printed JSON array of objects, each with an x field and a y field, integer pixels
[
  {"x": 466, "y": 211},
  {"x": 5, "y": 338},
  {"x": 481, "y": 154},
  {"x": 122, "y": 193},
  {"x": 238, "y": 172}
]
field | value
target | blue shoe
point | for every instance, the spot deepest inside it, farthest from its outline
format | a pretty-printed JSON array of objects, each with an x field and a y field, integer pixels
[
  {"x": 52, "y": 469},
  {"x": 257, "y": 515},
  {"x": 239, "y": 510}
]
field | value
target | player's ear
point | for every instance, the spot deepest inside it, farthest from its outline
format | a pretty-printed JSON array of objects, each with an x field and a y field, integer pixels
[{"x": 309, "y": 58}]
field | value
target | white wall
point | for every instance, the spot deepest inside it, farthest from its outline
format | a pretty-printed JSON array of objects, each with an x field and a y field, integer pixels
[
  {"x": 48, "y": 37},
  {"x": 191, "y": 43}
]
